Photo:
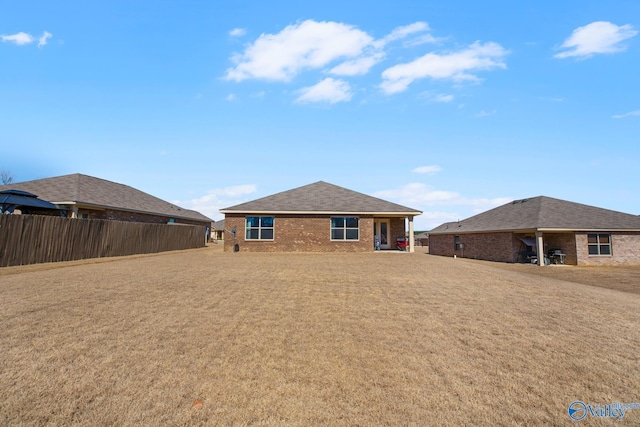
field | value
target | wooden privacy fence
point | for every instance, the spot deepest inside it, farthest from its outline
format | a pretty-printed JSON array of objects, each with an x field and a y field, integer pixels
[{"x": 31, "y": 239}]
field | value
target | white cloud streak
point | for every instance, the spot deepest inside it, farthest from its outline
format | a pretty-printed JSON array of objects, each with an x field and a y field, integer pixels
[
  {"x": 484, "y": 113},
  {"x": 596, "y": 37},
  {"x": 430, "y": 170},
  {"x": 456, "y": 66},
  {"x": 237, "y": 32},
  {"x": 629, "y": 114},
  {"x": 219, "y": 198},
  {"x": 425, "y": 198},
  {"x": 328, "y": 90}
]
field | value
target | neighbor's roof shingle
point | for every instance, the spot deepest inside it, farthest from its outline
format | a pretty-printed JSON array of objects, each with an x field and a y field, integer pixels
[
  {"x": 320, "y": 197},
  {"x": 90, "y": 191},
  {"x": 539, "y": 213}
]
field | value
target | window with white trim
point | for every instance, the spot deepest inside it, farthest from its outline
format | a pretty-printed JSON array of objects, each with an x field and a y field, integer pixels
[
  {"x": 259, "y": 228},
  {"x": 599, "y": 244},
  {"x": 345, "y": 228}
]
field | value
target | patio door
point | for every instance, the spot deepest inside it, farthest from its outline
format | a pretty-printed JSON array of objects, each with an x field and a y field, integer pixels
[{"x": 381, "y": 231}]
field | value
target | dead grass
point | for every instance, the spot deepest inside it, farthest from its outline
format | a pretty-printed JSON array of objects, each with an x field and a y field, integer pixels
[{"x": 208, "y": 338}]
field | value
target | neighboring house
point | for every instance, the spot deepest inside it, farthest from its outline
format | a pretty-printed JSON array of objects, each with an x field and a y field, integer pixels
[
  {"x": 422, "y": 239},
  {"x": 217, "y": 230},
  {"x": 319, "y": 217},
  {"x": 564, "y": 232},
  {"x": 83, "y": 196}
]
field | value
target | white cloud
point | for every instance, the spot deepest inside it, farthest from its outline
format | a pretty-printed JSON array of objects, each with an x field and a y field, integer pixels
[
  {"x": 217, "y": 199},
  {"x": 23, "y": 38},
  {"x": 423, "y": 39},
  {"x": 237, "y": 32},
  {"x": 552, "y": 99},
  {"x": 485, "y": 113},
  {"x": 423, "y": 197},
  {"x": 20, "y": 38},
  {"x": 313, "y": 45},
  {"x": 629, "y": 114},
  {"x": 457, "y": 66},
  {"x": 42, "y": 41},
  {"x": 328, "y": 90},
  {"x": 427, "y": 169},
  {"x": 358, "y": 66},
  {"x": 596, "y": 37},
  {"x": 402, "y": 32},
  {"x": 306, "y": 45},
  {"x": 443, "y": 98}
]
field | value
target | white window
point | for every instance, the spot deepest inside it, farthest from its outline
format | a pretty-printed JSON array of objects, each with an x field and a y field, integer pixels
[
  {"x": 259, "y": 228},
  {"x": 345, "y": 228}
]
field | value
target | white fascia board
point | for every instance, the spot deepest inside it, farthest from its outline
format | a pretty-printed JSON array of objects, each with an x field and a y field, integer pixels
[{"x": 243, "y": 212}]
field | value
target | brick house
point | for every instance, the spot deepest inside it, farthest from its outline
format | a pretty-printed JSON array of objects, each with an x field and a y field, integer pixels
[
  {"x": 83, "y": 196},
  {"x": 319, "y": 217},
  {"x": 217, "y": 230},
  {"x": 564, "y": 232}
]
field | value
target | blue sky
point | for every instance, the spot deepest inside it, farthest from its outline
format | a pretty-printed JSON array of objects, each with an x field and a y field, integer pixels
[{"x": 448, "y": 107}]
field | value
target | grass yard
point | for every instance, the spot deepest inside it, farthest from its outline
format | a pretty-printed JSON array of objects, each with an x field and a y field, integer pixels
[{"x": 207, "y": 338}]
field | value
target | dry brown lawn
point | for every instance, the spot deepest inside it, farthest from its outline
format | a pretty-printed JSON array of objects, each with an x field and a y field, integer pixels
[{"x": 203, "y": 337}]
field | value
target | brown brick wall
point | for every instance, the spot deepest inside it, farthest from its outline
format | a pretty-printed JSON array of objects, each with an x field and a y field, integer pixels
[
  {"x": 625, "y": 249},
  {"x": 566, "y": 242},
  {"x": 396, "y": 229},
  {"x": 117, "y": 215},
  {"x": 502, "y": 247},
  {"x": 293, "y": 233},
  {"x": 491, "y": 247}
]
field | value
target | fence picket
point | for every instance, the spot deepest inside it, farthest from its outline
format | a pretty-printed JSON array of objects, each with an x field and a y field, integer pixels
[{"x": 31, "y": 239}]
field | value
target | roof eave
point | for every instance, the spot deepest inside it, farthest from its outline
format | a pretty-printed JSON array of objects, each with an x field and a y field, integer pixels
[
  {"x": 533, "y": 230},
  {"x": 103, "y": 207},
  {"x": 333, "y": 212}
]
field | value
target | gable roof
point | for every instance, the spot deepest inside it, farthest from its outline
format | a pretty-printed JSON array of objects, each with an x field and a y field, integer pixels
[
  {"x": 321, "y": 197},
  {"x": 84, "y": 190},
  {"x": 542, "y": 213}
]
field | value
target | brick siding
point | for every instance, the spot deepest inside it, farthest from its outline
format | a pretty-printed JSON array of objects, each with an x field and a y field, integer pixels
[
  {"x": 491, "y": 247},
  {"x": 306, "y": 233},
  {"x": 504, "y": 247},
  {"x": 117, "y": 215},
  {"x": 625, "y": 249}
]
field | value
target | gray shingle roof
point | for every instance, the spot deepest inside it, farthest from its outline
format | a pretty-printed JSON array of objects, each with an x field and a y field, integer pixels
[
  {"x": 540, "y": 213},
  {"x": 321, "y": 197},
  {"x": 90, "y": 191}
]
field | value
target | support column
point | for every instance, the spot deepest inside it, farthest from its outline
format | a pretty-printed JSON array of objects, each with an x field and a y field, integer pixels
[
  {"x": 540, "y": 248},
  {"x": 410, "y": 236}
]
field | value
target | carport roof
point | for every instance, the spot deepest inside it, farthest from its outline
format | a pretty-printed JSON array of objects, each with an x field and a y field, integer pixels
[
  {"x": 544, "y": 214},
  {"x": 322, "y": 198}
]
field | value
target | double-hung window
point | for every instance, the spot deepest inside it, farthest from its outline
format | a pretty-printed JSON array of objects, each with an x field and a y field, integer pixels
[
  {"x": 259, "y": 228},
  {"x": 599, "y": 244},
  {"x": 345, "y": 228}
]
